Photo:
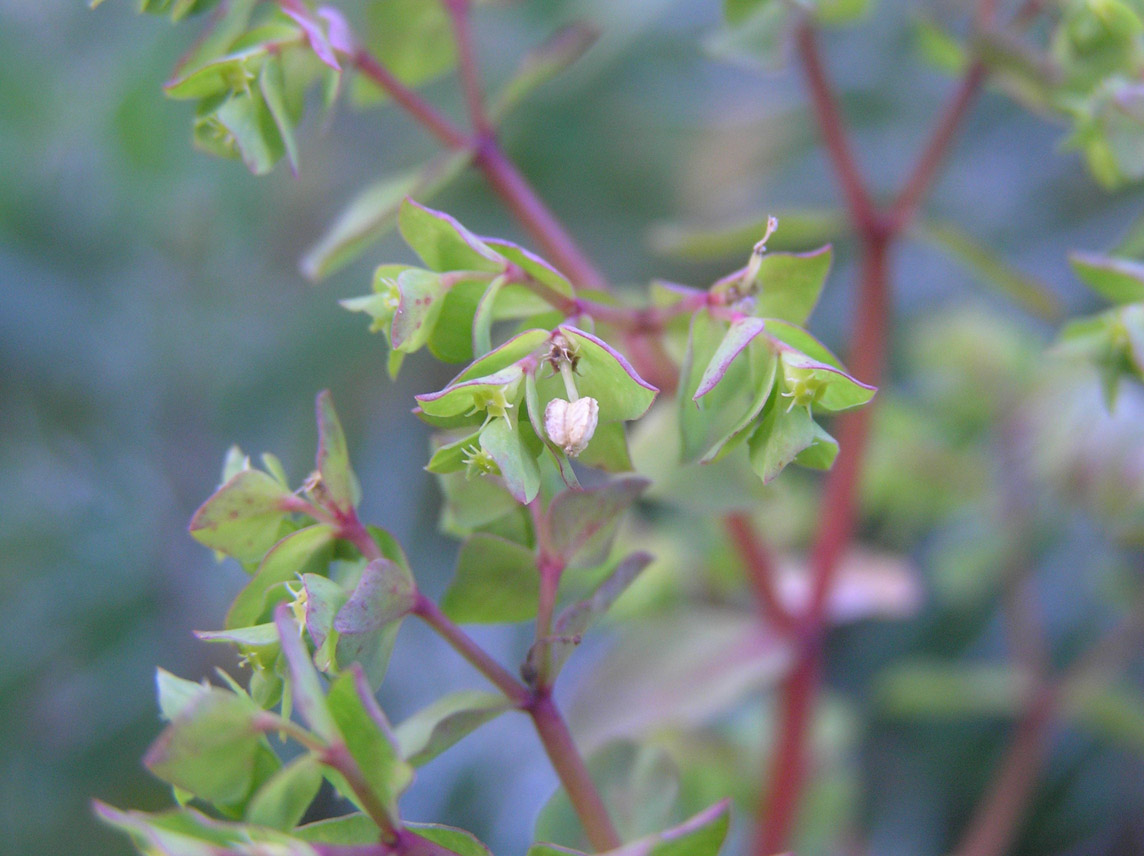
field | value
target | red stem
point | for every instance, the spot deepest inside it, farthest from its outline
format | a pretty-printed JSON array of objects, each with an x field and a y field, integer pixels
[
  {"x": 460, "y": 641},
  {"x": 833, "y": 129},
  {"x": 436, "y": 122},
  {"x": 569, "y": 766},
  {"x": 779, "y": 809},
  {"x": 536, "y": 218},
  {"x": 998, "y": 816},
  {"x": 936, "y": 150},
  {"x": 762, "y": 573},
  {"x": 467, "y": 64}
]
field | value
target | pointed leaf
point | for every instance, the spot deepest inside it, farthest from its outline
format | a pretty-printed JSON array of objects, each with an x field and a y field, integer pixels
[
  {"x": 443, "y": 243},
  {"x": 740, "y": 334},
  {"x": 432, "y": 730},
  {"x": 517, "y": 464},
  {"x": 307, "y": 688},
  {"x": 282, "y": 801},
  {"x": 307, "y": 550},
  {"x": 785, "y": 437},
  {"x": 1116, "y": 280},
  {"x": 333, "y": 461},
  {"x": 583, "y": 523},
  {"x": 369, "y": 739},
  {"x": 789, "y": 284},
  {"x": 243, "y": 517},
  {"x": 373, "y": 213}
]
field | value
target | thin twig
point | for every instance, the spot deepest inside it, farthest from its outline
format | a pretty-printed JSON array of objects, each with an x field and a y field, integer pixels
[
  {"x": 467, "y": 65},
  {"x": 862, "y": 211},
  {"x": 762, "y": 571}
]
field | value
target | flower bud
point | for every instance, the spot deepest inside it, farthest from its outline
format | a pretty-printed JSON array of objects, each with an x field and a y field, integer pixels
[{"x": 570, "y": 425}]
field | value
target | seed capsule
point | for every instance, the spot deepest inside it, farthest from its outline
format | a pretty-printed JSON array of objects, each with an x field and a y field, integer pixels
[{"x": 570, "y": 425}]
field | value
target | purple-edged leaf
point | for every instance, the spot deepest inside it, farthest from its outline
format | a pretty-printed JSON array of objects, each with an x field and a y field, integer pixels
[
  {"x": 186, "y": 832},
  {"x": 333, "y": 459},
  {"x": 421, "y": 299},
  {"x": 385, "y": 593},
  {"x": 219, "y": 75},
  {"x": 602, "y": 373},
  {"x": 676, "y": 670},
  {"x": 834, "y": 389},
  {"x": 338, "y": 29},
  {"x": 517, "y": 464},
  {"x": 532, "y": 264},
  {"x": 304, "y": 683},
  {"x": 307, "y": 550},
  {"x": 210, "y": 747},
  {"x": 513, "y": 351},
  {"x": 258, "y": 643},
  {"x": 739, "y": 335},
  {"x": 584, "y": 522},
  {"x": 474, "y": 397},
  {"x": 315, "y": 34},
  {"x": 443, "y": 243},
  {"x": 432, "y": 730},
  {"x": 1116, "y": 280},
  {"x": 783, "y": 438},
  {"x": 764, "y": 366},
  {"x": 496, "y": 581},
  {"x": 243, "y": 517}
]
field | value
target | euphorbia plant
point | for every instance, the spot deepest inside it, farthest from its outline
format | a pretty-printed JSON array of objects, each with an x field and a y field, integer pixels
[{"x": 532, "y": 436}]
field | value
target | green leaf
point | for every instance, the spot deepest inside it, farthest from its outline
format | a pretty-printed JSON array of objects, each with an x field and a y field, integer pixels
[
  {"x": 186, "y": 832},
  {"x": 799, "y": 230},
  {"x": 517, "y": 465},
  {"x": 308, "y": 550},
  {"x": 421, "y": 299},
  {"x": 251, "y": 126},
  {"x": 283, "y": 800},
  {"x": 1026, "y": 291},
  {"x": 272, "y": 86},
  {"x": 443, "y": 243},
  {"x": 304, "y": 682},
  {"x": 677, "y": 670},
  {"x": 541, "y": 64},
  {"x": 339, "y": 484},
  {"x": 495, "y": 582},
  {"x": 455, "y": 840},
  {"x": 1112, "y": 713},
  {"x": 432, "y": 730},
  {"x": 243, "y": 518},
  {"x": 349, "y": 829},
  {"x": 369, "y": 739},
  {"x": 764, "y": 366},
  {"x": 583, "y": 523},
  {"x": 365, "y": 626},
  {"x": 940, "y": 49},
  {"x": 604, "y": 374},
  {"x": 757, "y": 40},
  {"x": 230, "y": 73},
  {"x": 912, "y": 690},
  {"x": 811, "y": 381},
  {"x": 1116, "y": 280},
  {"x": 783, "y": 438},
  {"x": 534, "y": 266},
  {"x": 210, "y": 747},
  {"x": 789, "y": 284},
  {"x": 258, "y": 643},
  {"x": 373, "y": 213},
  {"x": 467, "y": 401},
  {"x": 701, "y": 835},
  {"x": 413, "y": 39},
  {"x": 176, "y": 693}
]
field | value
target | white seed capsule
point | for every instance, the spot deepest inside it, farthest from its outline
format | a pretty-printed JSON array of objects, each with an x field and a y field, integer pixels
[{"x": 570, "y": 425}]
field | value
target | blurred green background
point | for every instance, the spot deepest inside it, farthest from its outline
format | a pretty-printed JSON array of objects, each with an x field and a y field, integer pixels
[{"x": 151, "y": 314}]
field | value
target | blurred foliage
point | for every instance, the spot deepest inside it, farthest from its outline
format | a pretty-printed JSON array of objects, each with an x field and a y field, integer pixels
[{"x": 152, "y": 313}]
